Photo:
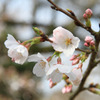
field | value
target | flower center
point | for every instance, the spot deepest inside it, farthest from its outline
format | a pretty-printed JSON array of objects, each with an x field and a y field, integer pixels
[
  {"x": 68, "y": 41},
  {"x": 57, "y": 71},
  {"x": 42, "y": 64}
]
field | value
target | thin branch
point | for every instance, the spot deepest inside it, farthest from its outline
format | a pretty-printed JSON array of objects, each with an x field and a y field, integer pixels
[
  {"x": 97, "y": 62},
  {"x": 86, "y": 51},
  {"x": 70, "y": 14}
]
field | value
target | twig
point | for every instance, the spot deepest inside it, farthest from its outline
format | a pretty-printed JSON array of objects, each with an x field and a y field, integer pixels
[
  {"x": 77, "y": 22},
  {"x": 86, "y": 51},
  {"x": 97, "y": 62}
]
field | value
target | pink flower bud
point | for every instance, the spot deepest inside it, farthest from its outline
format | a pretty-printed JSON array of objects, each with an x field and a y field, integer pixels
[
  {"x": 51, "y": 84},
  {"x": 86, "y": 44},
  {"x": 73, "y": 57},
  {"x": 92, "y": 43},
  {"x": 66, "y": 89},
  {"x": 59, "y": 60},
  {"x": 75, "y": 61},
  {"x": 89, "y": 12},
  {"x": 80, "y": 65},
  {"x": 85, "y": 16},
  {"x": 49, "y": 59},
  {"x": 88, "y": 39}
]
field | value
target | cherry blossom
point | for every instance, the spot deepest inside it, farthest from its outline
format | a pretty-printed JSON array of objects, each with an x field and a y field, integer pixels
[
  {"x": 16, "y": 51},
  {"x": 42, "y": 65},
  {"x": 64, "y": 41}
]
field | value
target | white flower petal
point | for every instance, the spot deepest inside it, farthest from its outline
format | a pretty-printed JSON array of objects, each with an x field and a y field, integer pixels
[
  {"x": 51, "y": 69},
  {"x": 68, "y": 52},
  {"x": 39, "y": 70},
  {"x": 75, "y": 76},
  {"x": 19, "y": 54},
  {"x": 36, "y": 58},
  {"x": 75, "y": 42},
  {"x": 64, "y": 68},
  {"x": 11, "y": 42},
  {"x": 55, "y": 77},
  {"x": 57, "y": 47}
]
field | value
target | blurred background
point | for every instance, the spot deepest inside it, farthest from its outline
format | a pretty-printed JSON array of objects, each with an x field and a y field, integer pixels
[{"x": 17, "y": 17}]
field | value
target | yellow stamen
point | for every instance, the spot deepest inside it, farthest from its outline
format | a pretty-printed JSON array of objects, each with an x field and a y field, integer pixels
[{"x": 68, "y": 41}]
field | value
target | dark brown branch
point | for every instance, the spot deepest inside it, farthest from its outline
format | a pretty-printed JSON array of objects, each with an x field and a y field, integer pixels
[{"x": 77, "y": 22}]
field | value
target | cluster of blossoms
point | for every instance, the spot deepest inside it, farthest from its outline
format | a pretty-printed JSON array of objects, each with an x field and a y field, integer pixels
[{"x": 62, "y": 41}]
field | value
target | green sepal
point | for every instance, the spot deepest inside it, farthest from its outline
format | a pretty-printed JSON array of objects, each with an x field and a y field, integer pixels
[{"x": 88, "y": 23}]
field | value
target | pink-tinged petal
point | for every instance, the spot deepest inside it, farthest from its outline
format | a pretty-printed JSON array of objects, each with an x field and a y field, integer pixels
[
  {"x": 39, "y": 70},
  {"x": 60, "y": 33},
  {"x": 10, "y": 42}
]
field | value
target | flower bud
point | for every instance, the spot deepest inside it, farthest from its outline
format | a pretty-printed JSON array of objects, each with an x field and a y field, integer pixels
[
  {"x": 75, "y": 61},
  {"x": 88, "y": 39},
  {"x": 59, "y": 60},
  {"x": 85, "y": 16},
  {"x": 38, "y": 31},
  {"x": 89, "y": 12},
  {"x": 80, "y": 65},
  {"x": 51, "y": 84},
  {"x": 92, "y": 43},
  {"x": 67, "y": 89},
  {"x": 73, "y": 57},
  {"x": 86, "y": 44},
  {"x": 49, "y": 59}
]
